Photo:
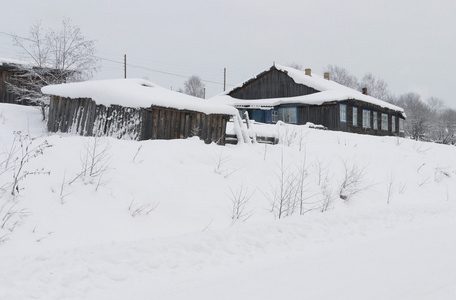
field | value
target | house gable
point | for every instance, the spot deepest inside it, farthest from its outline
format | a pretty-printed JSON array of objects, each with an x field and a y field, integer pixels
[{"x": 272, "y": 83}]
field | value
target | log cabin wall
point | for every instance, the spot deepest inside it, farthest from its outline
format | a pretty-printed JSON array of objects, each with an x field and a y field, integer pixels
[
  {"x": 329, "y": 116},
  {"x": 271, "y": 84},
  {"x": 84, "y": 117},
  {"x": 5, "y": 95},
  {"x": 359, "y": 128}
]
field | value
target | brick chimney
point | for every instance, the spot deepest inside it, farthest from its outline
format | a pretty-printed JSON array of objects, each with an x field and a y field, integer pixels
[
  {"x": 308, "y": 72},
  {"x": 326, "y": 75},
  {"x": 365, "y": 90}
]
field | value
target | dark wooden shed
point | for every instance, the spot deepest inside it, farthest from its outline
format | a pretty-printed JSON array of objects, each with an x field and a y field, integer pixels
[
  {"x": 7, "y": 69},
  {"x": 297, "y": 97},
  {"x": 134, "y": 109}
]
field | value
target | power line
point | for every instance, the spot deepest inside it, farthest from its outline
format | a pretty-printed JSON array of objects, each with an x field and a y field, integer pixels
[
  {"x": 16, "y": 36},
  {"x": 155, "y": 70},
  {"x": 129, "y": 65}
]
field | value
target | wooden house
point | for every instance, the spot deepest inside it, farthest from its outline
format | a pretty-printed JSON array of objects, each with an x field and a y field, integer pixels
[
  {"x": 297, "y": 97},
  {"x": 8, "y": 68},
  {"x": 134, "y": 109},
  {"x": 27, "y": 79}
]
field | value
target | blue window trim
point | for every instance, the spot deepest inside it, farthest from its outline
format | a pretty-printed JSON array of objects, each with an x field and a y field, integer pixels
[{"x": 344, "y": 105}]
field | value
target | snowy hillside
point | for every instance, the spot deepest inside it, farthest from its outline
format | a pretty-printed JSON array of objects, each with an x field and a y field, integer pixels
[{"x": 159, "y": 220}]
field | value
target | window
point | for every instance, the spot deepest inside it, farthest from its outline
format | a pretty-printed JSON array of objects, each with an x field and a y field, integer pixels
[
  {"x": 258, "y": 116},
  {"x": 393, "y": 123},
  {"x": 375, "y": 120},
  {"x": 355, "y": 116},
  {"x": 343, "y": 113},
  {"x": 385, "y": 122},
  {"x": 401, "y": 125},
  {"x": 275, "y": 116},
  {"x": 366, "y": 118},
  {"x": 288, "y": 114}
]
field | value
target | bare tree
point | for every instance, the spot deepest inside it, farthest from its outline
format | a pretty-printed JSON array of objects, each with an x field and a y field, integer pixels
[
  {"x": 436, "y": 105},
  {"x": 26, "y": 150},
  {"x": 353, "y": 181},
  {"x": 95, "y": 158},
  {"x": 448, "y": 129},
  {"x": 442, "y": 127},
  {"x": 376, "y": 87},
  {"x": 283, "y": 195},
  {"x": 418, "y": 115},
  {"x": 390, "y": 187},
  {"x": 295, "y": 65},
  {"x": 342, "y": 76},
  {"x": 56, "y": 56},
  {"x": 239, "y": 200},
  {"x": 194, "y": 86}
]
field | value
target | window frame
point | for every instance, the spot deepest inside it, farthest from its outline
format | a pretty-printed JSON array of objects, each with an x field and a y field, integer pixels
[
  {"x": 375, "y": 120},
  {"x": 274, "y": 116},
  {"x": 343, "y": 113},
  {"x": 366, "y": 118},
  {"x": 393, "y": 124},
  {"x": 355, "y": 116},
  {"x": 291, "y": 114},
  {"x": 384, "y": 121}
]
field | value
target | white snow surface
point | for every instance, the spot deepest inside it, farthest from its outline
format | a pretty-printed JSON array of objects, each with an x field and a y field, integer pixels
[
  {"x": 329, "y": 91},
  {"x": 135, "y": 93},
  {"x": 84, "y": 237}
]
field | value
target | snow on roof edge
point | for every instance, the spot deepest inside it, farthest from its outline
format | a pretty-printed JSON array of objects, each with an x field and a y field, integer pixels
[
  {"x": 13, "y": 61},
  {"x": 135, "y": 93}
]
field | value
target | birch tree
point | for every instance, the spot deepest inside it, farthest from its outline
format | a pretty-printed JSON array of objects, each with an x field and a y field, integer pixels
[
  {"x": 53, "y": 56},
  {"x": 194, "y": 86}
]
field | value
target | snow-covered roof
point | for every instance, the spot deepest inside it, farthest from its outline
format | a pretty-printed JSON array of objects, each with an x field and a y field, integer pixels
[
  {"x": 12, "y": 61},
  {"x": 329, "y": 91},
  {"x": 135, "y": 93}
]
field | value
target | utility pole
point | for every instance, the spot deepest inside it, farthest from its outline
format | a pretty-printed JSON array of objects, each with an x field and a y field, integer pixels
[
  {"x": 224, "y": 79},
  {"x": 125, "y": 66}
]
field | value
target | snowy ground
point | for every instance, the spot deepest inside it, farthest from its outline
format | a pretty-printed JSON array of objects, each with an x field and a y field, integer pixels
[{"x": 157, "y": 223}]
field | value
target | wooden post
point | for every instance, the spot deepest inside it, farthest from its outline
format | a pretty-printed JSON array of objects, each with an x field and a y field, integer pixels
[
  {"x": 125, "y": 66},
  {"x": 224, "y": 79}
]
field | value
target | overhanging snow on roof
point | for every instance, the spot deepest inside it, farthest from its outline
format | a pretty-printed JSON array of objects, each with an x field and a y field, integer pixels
[{"x": 135, "y": 93}]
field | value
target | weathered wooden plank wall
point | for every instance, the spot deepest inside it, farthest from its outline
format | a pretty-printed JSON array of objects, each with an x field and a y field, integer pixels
[
  {"x": 5, "y": 95},
  {"x": 84, "y": 117},
  {"x": 319, "y": 114},
  {"x": 271, "y": 84},
  {"x": 329, "y": 116},
  {"x": 371, "y": 107}
]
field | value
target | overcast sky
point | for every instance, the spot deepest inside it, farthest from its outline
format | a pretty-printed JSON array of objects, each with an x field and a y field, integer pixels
[{"x": 409, "y": 44}]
